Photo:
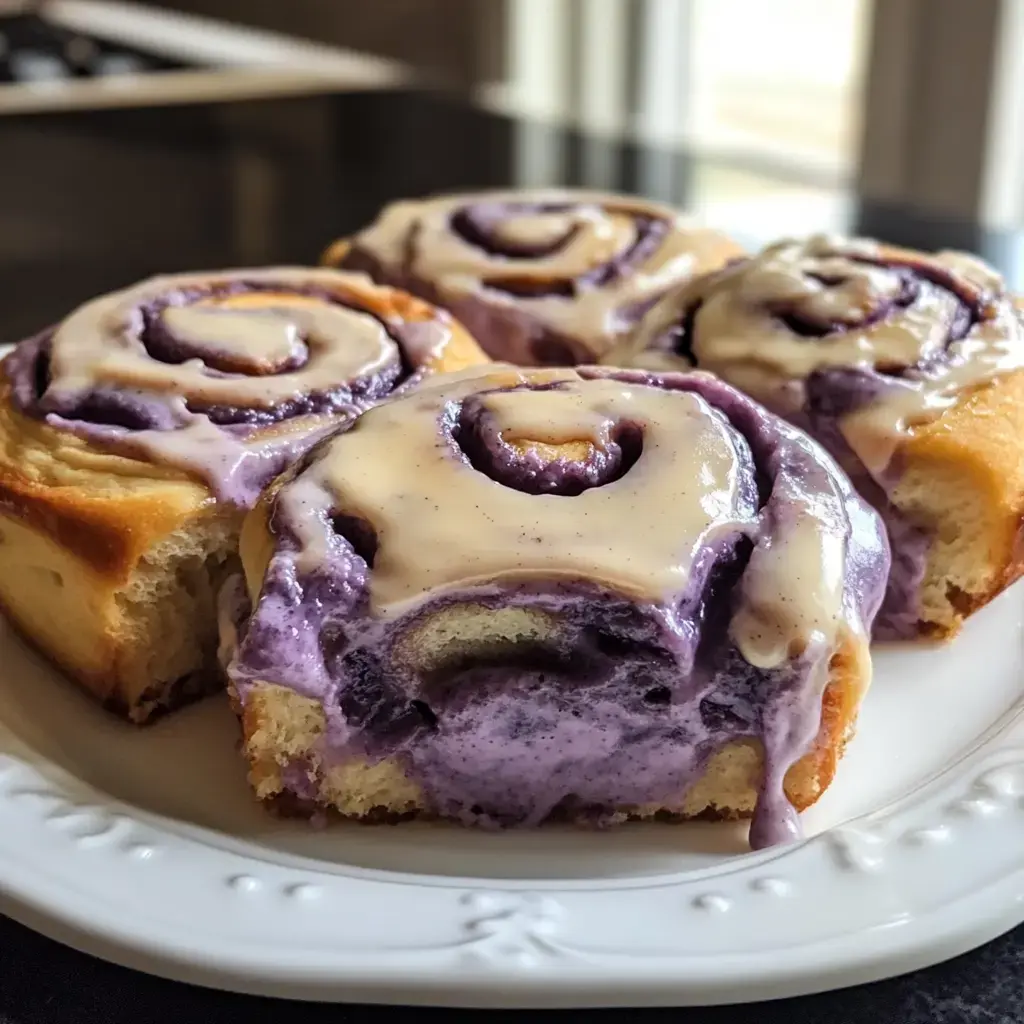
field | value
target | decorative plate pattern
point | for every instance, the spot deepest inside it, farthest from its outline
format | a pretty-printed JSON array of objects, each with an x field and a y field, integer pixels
[{"x": 145, "y": 847}]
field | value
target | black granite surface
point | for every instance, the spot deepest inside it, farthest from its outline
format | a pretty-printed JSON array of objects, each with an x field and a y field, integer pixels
[
  {"x": 90, "y": 202},
  {"x": 44, "y": 983}
]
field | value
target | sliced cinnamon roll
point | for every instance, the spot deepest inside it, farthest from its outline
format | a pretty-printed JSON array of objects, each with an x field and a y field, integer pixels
[
  {"x": 134, "y": 435},
  {"x": 511, "y": 596},
  {"x": 907, "y": 366},
  {"x": 546, "y": 277}
]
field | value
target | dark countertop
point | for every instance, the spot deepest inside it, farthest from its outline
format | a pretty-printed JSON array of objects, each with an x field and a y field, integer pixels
[
  {"x": 44, "y": 983},
  {"x": 94, "y": 201}
]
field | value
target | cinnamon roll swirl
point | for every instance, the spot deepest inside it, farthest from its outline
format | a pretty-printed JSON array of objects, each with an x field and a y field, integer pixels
[
  {"x": 907, "y": 366},
  {"x": 134, "y": 434},
  {"x": 541, "y": 277},
  {"x": 517, "y": 595}
]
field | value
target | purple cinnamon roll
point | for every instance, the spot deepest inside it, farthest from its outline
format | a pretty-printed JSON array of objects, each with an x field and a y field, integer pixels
[
  {"x": 135, "y": 433},
  {"x": 512, "y": 596},
  {"x": 547, "y": 277},
  {"x": 906, "y": 366}
]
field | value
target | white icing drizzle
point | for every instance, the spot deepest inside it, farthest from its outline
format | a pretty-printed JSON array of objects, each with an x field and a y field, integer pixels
[
  {"x": 442, "y": 525},
  {"x": 97, "y": 345},
  {"x": 793, "y": 588},
  {"x": 736, "y": 335},
  {"x": 415, "y": 238},
  {"x": 260, "y": 339}
]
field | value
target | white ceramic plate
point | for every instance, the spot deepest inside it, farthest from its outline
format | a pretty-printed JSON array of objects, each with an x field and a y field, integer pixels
[{"x": 145, "y": 847}]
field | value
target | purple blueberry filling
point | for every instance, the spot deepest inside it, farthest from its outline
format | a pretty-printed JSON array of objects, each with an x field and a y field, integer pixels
[
  {"x": 480, "y": 439},
  {"x": 915, "y": 282},
  {"x": 479, "y": 225},
  {"x": 623, "y": 704}
]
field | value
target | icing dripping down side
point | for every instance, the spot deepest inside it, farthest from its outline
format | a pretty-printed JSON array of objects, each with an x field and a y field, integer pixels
[{"x": 858, "y": 343}]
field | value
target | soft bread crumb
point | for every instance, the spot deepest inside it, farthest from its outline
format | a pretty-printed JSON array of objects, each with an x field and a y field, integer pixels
[{"x": 141, "y": 645}]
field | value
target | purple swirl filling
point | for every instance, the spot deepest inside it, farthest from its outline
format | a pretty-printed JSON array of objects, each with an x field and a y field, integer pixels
[
  {"x": 479, "y": 225},
  {"x": 481, "y": 441},
  {"x": 623, "y": 704}
]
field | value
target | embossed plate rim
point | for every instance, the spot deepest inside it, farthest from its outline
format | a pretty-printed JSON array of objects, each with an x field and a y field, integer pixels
[{"x": 920, "y": 878}]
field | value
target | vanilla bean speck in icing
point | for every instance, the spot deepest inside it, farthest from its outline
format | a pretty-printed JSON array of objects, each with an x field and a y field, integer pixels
[
  {"x": 856, "y": 341},
  {"x": 541, "y": 277},
  {"x": 225, "y": 375},
  {"x": 686, "y": 567}
]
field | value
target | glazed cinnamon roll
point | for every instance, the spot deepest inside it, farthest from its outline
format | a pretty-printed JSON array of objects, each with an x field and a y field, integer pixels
[
  {"x": 907, "y": 366},
  {"x": 134, "y": 434},
  {"x": 540, "y": 277},
  {"x": 512, "y": 596}
]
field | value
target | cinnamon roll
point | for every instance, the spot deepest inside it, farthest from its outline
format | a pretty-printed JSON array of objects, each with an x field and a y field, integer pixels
[
  {"x": 511, "y": 596},
  {"x": 540, "y": 277},
  {"x": 134, "y": 435},
  {"x": 907, "y": 366}
]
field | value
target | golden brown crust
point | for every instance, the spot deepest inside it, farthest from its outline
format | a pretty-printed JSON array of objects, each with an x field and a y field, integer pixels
[
  {"x": 335, "y": 253},
  {"x": 102, "y": 684},
  {"x": 973, "y": 449},
  {"x": 849, "y": 675},
  {"x": 103, "y": 508},
  {"x": 105, "y": 685}
]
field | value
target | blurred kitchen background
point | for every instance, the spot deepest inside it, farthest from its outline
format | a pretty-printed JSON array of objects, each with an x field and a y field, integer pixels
[{"x": 142, "y": 137}]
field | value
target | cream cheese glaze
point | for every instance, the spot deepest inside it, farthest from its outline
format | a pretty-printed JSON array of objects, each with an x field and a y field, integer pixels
[
  {"x": 859, "y": 342},
  {"x": 225, "y": 375},
  {"x": 676, "y": 540},
  {"x": 458, "y": 527},
  {"x": 546, "y": 276},
  {"x": 924, "y": 328}
]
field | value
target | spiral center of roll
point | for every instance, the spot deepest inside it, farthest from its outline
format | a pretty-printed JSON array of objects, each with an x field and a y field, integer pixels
[
  {"x": 258, "y": 342},
  {"x": 536, "y": 233},
  {"x": 799, "y": 308},
  {"x": 546, "y": 441},
  {"x": 555, "y": 249},
  {"x": 511, "y": 229},
  {"x": 842, "y": 295}
]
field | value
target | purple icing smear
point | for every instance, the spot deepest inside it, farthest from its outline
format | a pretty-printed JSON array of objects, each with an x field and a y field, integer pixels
[
  {"x": 830, "y": 393},
  {"x": 132, "y": 421},
  {"x": 625, "y": 703}
]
